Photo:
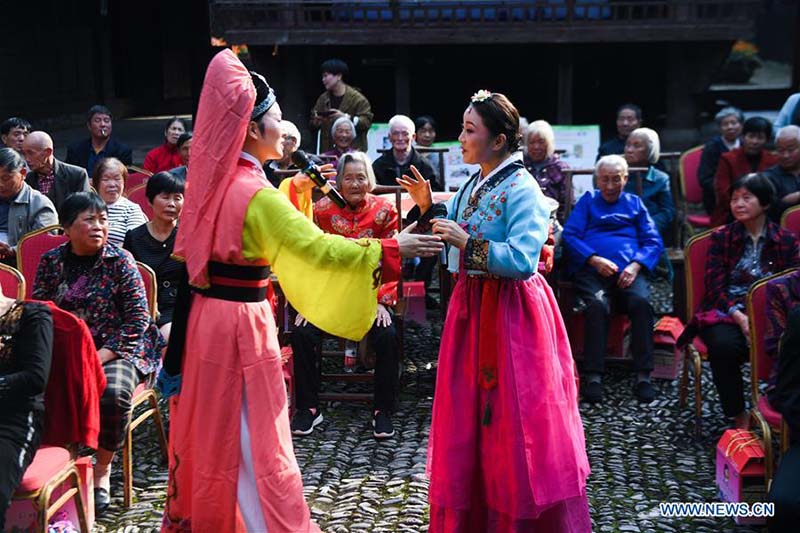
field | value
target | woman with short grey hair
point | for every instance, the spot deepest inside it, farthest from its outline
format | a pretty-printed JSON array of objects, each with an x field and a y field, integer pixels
[
  {"x": 642, "y": 149},
  {"x": 343, "y": 133},
  {"x": 730, "y": 120},
  {"x": 544, "y": 165}
]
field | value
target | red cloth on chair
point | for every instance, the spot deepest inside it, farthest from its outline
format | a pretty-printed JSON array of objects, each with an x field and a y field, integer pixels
[{"x": 77, "y": 380}]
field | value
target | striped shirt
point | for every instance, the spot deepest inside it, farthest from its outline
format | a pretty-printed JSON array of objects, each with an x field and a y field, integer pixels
[{"x": 123, "y": 215}]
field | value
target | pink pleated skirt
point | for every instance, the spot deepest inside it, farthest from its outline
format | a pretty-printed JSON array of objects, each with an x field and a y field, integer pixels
[{"x": 526, "y": 470}]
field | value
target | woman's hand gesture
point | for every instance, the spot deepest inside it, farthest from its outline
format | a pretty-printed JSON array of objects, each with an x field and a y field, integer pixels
[
  {"x": 416, "y": 245},
  {"x": 419, "y": 188},
  {"x": 450, "y": 232}
]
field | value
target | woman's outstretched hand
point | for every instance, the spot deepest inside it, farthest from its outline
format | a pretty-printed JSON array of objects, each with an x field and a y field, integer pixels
[
  {"x": 450, "y": 232},
  {"x": 419, "y": 188},
  {"x": 416, "y": 245}
]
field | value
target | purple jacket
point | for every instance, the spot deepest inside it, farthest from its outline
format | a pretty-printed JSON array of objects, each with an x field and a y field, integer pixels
[{"x": 550, "y": 178}]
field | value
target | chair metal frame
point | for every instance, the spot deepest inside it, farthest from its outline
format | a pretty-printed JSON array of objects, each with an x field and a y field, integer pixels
[
  {"x": 45, "y": 509},
  {"x": 20, "y": 280},
  {"x": 141, "y": 396}
]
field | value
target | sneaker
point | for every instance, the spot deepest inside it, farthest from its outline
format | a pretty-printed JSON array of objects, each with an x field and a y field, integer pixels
[
  {"x": 305, "y": 421},
  {"x": 382, "y": 424},
  {"x": 593, "y": 392},
  {"x": 645, "y": 392}
]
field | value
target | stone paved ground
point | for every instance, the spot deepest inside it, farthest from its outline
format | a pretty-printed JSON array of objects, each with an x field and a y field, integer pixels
[{"x": 640, "y": 456}]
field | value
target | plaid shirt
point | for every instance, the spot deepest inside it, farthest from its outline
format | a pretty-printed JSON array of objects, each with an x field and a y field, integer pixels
[
  {"x": 780, "y": 251},
  {"x": 783, "y": 295}
]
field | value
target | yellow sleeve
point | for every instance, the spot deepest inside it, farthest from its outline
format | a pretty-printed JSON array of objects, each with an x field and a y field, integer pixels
[
  {"x": 303, "y": 201},
  {"x": 327, "y": 278}
]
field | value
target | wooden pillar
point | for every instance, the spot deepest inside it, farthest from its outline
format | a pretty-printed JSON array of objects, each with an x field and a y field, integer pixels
[
  {"x": 679, "y": 128},
  {"x": 565, "y": 78},
  {"x": 402, "y": 83}
]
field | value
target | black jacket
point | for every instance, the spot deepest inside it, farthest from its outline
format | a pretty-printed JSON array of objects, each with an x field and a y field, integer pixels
[
  {"x": 68, "y": 179},
  {"x": 78, "y": 153},
  {"x": 387, "y": 170}
]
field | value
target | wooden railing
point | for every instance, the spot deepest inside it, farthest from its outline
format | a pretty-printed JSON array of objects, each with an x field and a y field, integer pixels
[{"x": 235, "y": 16}]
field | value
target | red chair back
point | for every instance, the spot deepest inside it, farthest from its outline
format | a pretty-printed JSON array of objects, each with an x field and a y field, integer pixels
[
  {"x": 689, "y": 164},
  {"x": 135, "y": 179},
  {"x": 11, "y": 282},
  {"x": 137, "y": 195},
  {"x": 695, "y": 254},
  {"x": 791, "y": 219},
  {"x": 30, "y": 249},
  {"x": 150, "y": 286}
]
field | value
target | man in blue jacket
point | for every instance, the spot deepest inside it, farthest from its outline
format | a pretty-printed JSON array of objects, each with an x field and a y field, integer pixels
[{"x": 609, "y": 239}]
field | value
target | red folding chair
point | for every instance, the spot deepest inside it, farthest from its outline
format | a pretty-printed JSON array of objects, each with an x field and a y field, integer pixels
[
  {"x": 695, "y": 254},
  {"x": 135, "y": 179},
  {"x": 138, "y": 196},
  {"x": 141, "y": 395},
  {"x": 11, "y": 282},
  {"x": 30, "y": 249},
  {"x": 791, "y": 219},
  {"x": 688, "y": 165},
  {"x": 769, "y": 420}
]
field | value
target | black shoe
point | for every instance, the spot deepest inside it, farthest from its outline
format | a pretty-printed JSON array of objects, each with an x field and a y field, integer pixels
[
  {"x": 102, "y": 499},
  {"x": 645, "y": 392},
  {"x": 305, "y": 421},
  {"x": 431, "y": 302},
  {"x": 383, "y": 426},
  {"x": 593, "y": 392}
]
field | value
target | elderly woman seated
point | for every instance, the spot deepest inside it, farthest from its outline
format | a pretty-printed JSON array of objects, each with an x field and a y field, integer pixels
[
  {"x": 364, "y": 216},
  {"x": 25, "y": 354},
  {"x": 750, "y": 156},
  {"x": 729, "y": 120},
  {"x": 152, "y": 242},
  {"x": 609, "y": 239},
  {"x": 100, "y": 283},
  {"x": 740, "y": 253},
  {"x": 642, "y": 149},
  {"x": 108, "y": 179},
  {"x": 541, "y": 161},
  {"x": 343, "y": 133}
]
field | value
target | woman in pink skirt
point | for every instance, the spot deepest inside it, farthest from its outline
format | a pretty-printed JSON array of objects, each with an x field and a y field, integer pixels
[{"x": 506, "y": 451}]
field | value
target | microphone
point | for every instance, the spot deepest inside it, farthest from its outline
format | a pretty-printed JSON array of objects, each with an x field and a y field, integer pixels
[
  {"x": 307, "y": 167},
  {"x": 439, "y": 211}
]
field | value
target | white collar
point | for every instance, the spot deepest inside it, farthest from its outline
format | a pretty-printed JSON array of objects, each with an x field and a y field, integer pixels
[
  {"x": 251, "y": 158},
  {"x": 516, "y": 156},
  {"x": 732, "y": 145}
]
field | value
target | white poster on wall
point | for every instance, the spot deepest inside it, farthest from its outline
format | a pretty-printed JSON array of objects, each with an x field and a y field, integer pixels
[
  {"x": 456, "y": 171},
  {"x": 377, "y": 139},
  {"x": 580, "y": 144}
]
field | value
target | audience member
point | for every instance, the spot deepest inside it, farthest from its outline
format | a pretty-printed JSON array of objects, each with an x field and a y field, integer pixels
[
  {"x": 426, "y": 130},
  {"x": 364, "y": 216},
  {"x": 343, "y": 133},
  {"x": 291, "y": 142},
  {"x": 22, "y": 209},
  {"x": 100, "y": 283},
  {"x": 643, "y": 149},
  {"x": 609, "y": 239},
  {"x": 751, "y": 156},
  {"x": 544, "y": 165},
  {"x": 740, "y": 253},
  {"x": 51, "y": 177},
  {"x": 13, "y": 132},
  {"x": 108, "y": 180},
  {"x": 184, "y": 150},
  {"x": 729, "y": 120},
  {"x": 100, "y": 143},
  {"x": 152, "y": 242},
  {"x": 398, "y": 161},
  {"x": 167, "y": 156},
  {"x": 340, "y": 100},
  {"x": 783, "y": 295},
  {"x": 785, "y": 398},
  {"x": 25, "y": 355},
  {"x": 629, "y": 117},
  {"x": 789, "y": 113},
  {"x": 785, "y": 176}
]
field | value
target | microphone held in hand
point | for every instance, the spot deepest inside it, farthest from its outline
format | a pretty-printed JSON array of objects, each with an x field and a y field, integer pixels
[
  {"x": 439, "y": 211},
  {"x": 307, "y": 167}
]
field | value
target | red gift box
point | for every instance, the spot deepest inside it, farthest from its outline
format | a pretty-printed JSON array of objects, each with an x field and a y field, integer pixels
[
  {"x": 414, "y": 293},
  {"x": 740, "y": 471},
  {"x": 667, "y": 359}
]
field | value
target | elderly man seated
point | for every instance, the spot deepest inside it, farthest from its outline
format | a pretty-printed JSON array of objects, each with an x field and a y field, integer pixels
[
  {"x": 364, "y": 216},
  {"x": 51, "y": 177},
  {"x": 610, "y": 238},
  {"x": 785, "y": 176},
  {"x": 22, "y": 209},
  {"x": 398, "y": 161}
]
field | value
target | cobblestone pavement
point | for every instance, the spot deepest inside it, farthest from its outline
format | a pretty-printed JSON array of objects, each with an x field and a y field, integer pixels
[{"x": 640, "y": 456}]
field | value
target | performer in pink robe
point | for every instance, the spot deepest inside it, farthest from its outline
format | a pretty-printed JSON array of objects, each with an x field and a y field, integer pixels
[{"x": 232, "y": 466}]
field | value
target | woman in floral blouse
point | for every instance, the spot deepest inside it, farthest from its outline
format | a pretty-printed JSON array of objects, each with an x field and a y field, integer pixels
[{"x": 100, "y": 283}]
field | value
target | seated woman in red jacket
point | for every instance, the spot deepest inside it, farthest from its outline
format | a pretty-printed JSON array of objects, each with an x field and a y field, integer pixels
[
  {"x": 167, "y": 156},
  {"x": 750, "y": 156},
  {"x": 740, "y": 253}
]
